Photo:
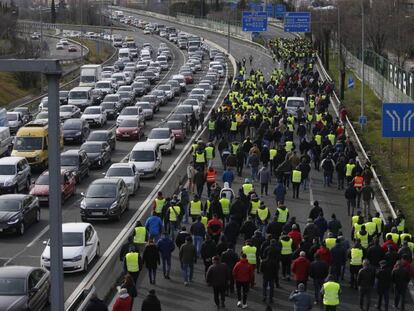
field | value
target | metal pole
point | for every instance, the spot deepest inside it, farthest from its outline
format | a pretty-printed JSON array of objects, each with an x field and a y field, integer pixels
[
  {"x": 228, "y": 35},
  {"x": 339, "y": 44},
  {"x": 41, "y": 45},
  {"x": 409, "y": 152},
  {"x": 363, "y": 58},
  {"x": 81, "y": 29},
  {"x": 55, "y": 212}
]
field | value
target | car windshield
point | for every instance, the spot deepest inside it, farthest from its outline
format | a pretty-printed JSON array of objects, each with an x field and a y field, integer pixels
[
  {"x": 7, "y": 169},
  {"x": 295, "y": 103},
  {"x": 155, "y": 134},
  {"x": 103, "y": 85},
  {"x": 101, "y": 191},
  {"x": 11, "y": 117},
  {"x": 97, "y": 136},
  {"x": 181, "y": 109},
  {"x": 91, "y": 110},
  {"x": 145, "y": 106},
  {"x": 108, "y": 105},
  {"x": 128, "y": 123},
  {"x": 138, "y": 85},
  {"x": 66, "y": 109},
  {"x": 175, "y": 125},
  {"x": 165, "y": 87},
  {"x": 92, "y": 148},
  {"x": 201, "y": 92},
  {"x": 119, "y": 171},
  {"x": 123, "y": 94},
  {"x": 111, "y": 98},
  {"x": 63, "y": 94},
  {"x": 78, "y": 95},
  {"x": 28, "y": 143},
  {"x": 9, "y": 205},
  {"x": 12, "y": 286},
  {"x": 72, "y": 126},
  {"x": 72, "y": 239},
  {"x": 129, "y": 112},
  {"x": 87, "y": 79},
  {"x": 142, "y": 156},
  {"x": 72, "y": 160}
]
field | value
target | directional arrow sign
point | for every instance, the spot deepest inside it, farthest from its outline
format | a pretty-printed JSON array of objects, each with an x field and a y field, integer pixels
[
  {"x": 397, "y": 120},
  {"x": 297, "y": 22},
  {"x": 254, "y": 21}
]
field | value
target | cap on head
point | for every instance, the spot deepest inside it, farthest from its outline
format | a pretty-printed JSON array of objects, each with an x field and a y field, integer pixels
[{"x": 301, "y": 287}]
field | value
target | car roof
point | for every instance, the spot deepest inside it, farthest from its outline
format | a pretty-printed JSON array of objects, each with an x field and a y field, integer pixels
[
  {"x": 75, "y": 226},
  {"x": 108, "y": 181},
  {"x": 145, "y": 145},
  {"x": 16, "y": 271},
  {"x": 62, "y": 171},
  {"x": 128, "y": 165},
  {"x": 295, "y": 98},
  {"x": 10, "y": 160},
  {"x": 15, "y": 196},
  {"x": 71, "y": 152}
]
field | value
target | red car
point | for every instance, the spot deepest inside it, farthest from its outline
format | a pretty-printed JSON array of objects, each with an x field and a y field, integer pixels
[
  {"x": 188, "y": 76},
  {"x": 178, "y": 129},
  {"x": 41, "y": 186},
  {"x": 130, "y": 129}
]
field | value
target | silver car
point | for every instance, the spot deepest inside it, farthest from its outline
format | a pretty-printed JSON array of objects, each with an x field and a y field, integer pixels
[{"x": 128, "y": 173}]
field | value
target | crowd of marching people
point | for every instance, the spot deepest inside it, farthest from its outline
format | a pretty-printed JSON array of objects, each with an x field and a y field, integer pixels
[{"x": 253, "y": 140}]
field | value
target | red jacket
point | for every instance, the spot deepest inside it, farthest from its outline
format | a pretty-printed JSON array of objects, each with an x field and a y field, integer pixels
[
  {"x": 324, "y": 254},
  {"x": 215, "y": 226},
  {"x": 243, "y": 271},
  {"x": 300, "y": 268},
  {"x": 296, "y": 237},
  {"x": 406, "y": 264},
  {"x": 123, "y": 303},
  {"x": 389, "y": 242}
]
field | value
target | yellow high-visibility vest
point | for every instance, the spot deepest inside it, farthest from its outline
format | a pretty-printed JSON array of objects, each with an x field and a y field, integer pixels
[
  {"x": 204, "y": 221},
  {"x": 211, "y": 125},
  {"x": 288, "y": 146},
  {"x": 331, "y": 138},
  {"x": 174, "y": 212},
  {"x": 282, "y": 217},
  {"x": 159, "y": 204},
  {"x": 330, "y": 243},
  {"x": 349, "y": 168},
  {"x": 286, "y": 247},
  {"x": 233, "y": 127},
  {"x": 296, "y": 176},
  {"x": 234, "y": 148},
  {"x": 394, "y": 236},
  {"x": 403, "y": 236},
  {"x": 356, "y": 257},
  {"x": 225, "y": 205},
  {"x": 331, "y": 293},
  {"x": 200, "y": 157},
  {"x": 401, "y": 225},
  {"x": 371, "y": 227},
  {"x": 354, "y": 219},
  {"x": 140, "y": 235},
  {"x": 363, "y": 238},
  {"x": 131, "y": 261},
  {"x": 378, "y": 222},
  {"x": 272, "y": 153},
  {"x": 195, "y": 208},
  {"x": 318, "y": 139},
  {"x": 247, "y": 187},
  {"x": 250, "y": 252},
  {"x": 357, "y": 227},
  {"x": 263, "y": 213},
  {"x": 255, "y": 207},
  {"x": 209, "y": 152}
]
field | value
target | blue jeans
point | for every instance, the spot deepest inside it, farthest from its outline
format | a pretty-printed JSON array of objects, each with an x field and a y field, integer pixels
[
  {"x": 304, "y": 183},
  {"x": 166, "y": 265},
  {"x": 187, "y": 271},
  {"x": 198, "y": 240},
  {"x": 271, "y": 284},
  {"x": 185, "y": 208},
  {"x": 255, "y": 170}
]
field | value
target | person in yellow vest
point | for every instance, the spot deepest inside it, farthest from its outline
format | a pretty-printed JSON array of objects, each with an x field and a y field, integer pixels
[
  {"x": 263, "y": 216},
  {"x": 195, "y": 208},
  {"x": 330, "y": 241},
  {"x": 235, "y": 145},
  {"x": 247, "y": 187},
  {"x": 309, "y": 120},
  {"x": 282, "y": 215},
  {"x": 371, "y": 228},
  {"x": 210, "y": 153},
  {"x": 194, "y": 147},
  {"x": 356, "y": 227},
  {"x": 272, "y": 155},
  {"x": 251, "y": 253},
  {"x": 318, "y": 139},
  {"x": 200, "y": 159},
  {"x": 254, "y": 206},
  {"x": 355, "y": 255},
  {"x": 140, "y": 234},
  {"x": 400, "y": 221},
  {"x": 233, "y": 129},
  {"x": 158, "y": 205},
  {"x": 296, "y": 181},
  {"x": 363, "y": 236},
  {"x": 225, "y": 207},
  {"x": 405, "y": 236},
  {"x": 289, "y": 146},
  {"x": 379, "y": 223},
  {"x": 350, "y": 168},
  {"x": 287, "y": 247},
  {"x": 174, "y": 218},
  {"x": 211, "y": 129},
  {"x": 330, "y": 292},
  {"x": 332, "y": 138},
  {"x": 394, "y": 235},
  {"x": 133, "y": 263}
]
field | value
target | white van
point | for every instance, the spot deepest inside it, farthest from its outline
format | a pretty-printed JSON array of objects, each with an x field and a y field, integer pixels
[
  {"x": 146, "y": 156},
  {"x": 90, "y": 74},
  {"x": 81, "y": 97},
  {"x": 293, "y": 104},
  {"x": 5, "y": 141},
  {"x": 124, "y": 55}
]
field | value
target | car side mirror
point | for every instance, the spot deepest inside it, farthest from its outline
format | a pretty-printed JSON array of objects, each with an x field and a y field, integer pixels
[
  {"x": 44, "y": 242},
  {"x": 83, "y": 194}
]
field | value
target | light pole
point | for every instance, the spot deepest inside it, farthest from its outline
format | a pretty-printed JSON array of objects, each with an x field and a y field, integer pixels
[
  {"x": 362, "y": 57},
  {"x": 81, "y": 29}
]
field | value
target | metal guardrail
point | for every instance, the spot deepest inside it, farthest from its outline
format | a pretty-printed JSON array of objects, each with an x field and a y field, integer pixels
[{"x": 38, "y": 25}]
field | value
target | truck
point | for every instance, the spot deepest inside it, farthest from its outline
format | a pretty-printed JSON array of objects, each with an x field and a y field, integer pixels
[{"x": 90, "y": 74}]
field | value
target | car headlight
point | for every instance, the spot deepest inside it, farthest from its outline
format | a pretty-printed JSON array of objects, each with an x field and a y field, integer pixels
[
  {"x": 78, "y": 133},
  {"x": 82, "y": 205},
  {"x": 114, "y": 205},
  {"x": 9, "y": 183},
  {"x": 77, "y": 258},
  {"x": 45, "y": 258},
  {"x": 13, "y": 220}
]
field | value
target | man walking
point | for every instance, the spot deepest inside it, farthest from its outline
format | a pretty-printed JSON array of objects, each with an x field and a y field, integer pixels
[
  {"x": 318, "y": 272},
  {"x": 188, "y": 257},
  {"x": 243, "y": 275},
  {"x": 269, "y": 270},
  {"x": 365, "y": 281},
  {"x": 301, "y": 299},
  {"x": 166, "y": 247},
  {"x": 217, "y": 276},
  {"x": 400, "y": 279},
  {"x": 384, "y": 283},
  {"x": 330, "y": 292}
]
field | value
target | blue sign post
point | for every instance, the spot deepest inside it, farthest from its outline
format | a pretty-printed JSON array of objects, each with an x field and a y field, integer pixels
[
  {"x": 280, "y": 10},
  {"x": 351, "y": 83},
  {"x": 363, "y": 120},
  {"x": 297, "y": 22},
  {"x": 254, "y": 21},
  {"x": 233, "y": 6},
  {"x": 270, "y": 10},
  {"x": 397, "y": 120}
]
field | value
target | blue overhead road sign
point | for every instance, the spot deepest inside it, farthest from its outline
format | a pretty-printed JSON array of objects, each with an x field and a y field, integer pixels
[
  {"x": 397, "y": 120},
  {"x": 280, "y": 10},
  {"x": 270, "y": 10},
  {"x": 297, "y": 22},
  {"x": 254, "y": 21}
]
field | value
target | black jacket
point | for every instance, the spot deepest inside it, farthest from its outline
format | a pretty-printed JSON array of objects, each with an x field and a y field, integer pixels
[
  {"x": 230, "y": 258},
  {"x": 366, "y": 277},
  {"x": 248, "y": 229},
  {"x": 95, "y": 304},
  {"x": 180, "y": 239},
  {"x": 231, "y": 231},
  {"x": 238, "y": 209},
  {"x": 151, "y": 303},
  {"x": 217, "y": 275},
  {"x": 384, "y": 278},
  {"x": 400, "y": 277},
  {"x": 375, "y": 254},
  {"x": 318, "y": 270},
  {"x": 208, "y": 249},
  {"x": 268, "y": 269}
]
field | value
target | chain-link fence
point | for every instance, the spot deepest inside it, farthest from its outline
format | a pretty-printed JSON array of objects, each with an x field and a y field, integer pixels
[{"x": 389, "y": 82}]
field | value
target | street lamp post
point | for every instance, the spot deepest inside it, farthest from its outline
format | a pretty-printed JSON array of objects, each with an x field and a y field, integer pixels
[{"x": 362, "y": 57}]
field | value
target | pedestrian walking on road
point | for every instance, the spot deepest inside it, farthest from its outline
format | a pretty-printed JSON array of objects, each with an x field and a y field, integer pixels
[
  {"x": 365, "y": 281},
  {"x": 264, "y": 179},
  {"x": 230, "y": 258},
  {"x": 133, "y": 263},
  {"x": 166, "y": 247},
  {"x": 208, "y": 251},
  {"x": 302, "y": 301},
  {"x": 96, "y": 304},
  {"x": 123, "y": 302},
  {"x": 188, "y": 257},
  {"x": 383, "y": 284},
  {"x": 198, "y": 231},
  {"x": 400, "y": 279},
  {"x": 318, "y": 271},
  {"x": 243, "y": 275},
  {"x": 269, "y": 269},
  {"x": 330, "y": 292},
  {"x": 300, "y": 269},
  {"x": 151, "y": 302},
  {"x": 129, "y": 285},
  {"x": 151, "y": 258},
  {"x": 217, "y": 277}
]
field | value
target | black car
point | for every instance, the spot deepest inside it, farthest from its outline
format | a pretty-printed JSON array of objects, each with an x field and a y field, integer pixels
[
  {"x": 139, "y": 88},
  {"x": 105, "y": 198},
  {"x": 18, "y": 211},
  {"x": 99, "y": 153},
  {"x": 181, "y": 117},
  {"x": 107, "y": 136},
  {"x": 63, "y": 97},
  {"x": 77, "y": 162},
  {"x": 111, "y": 110},
  {"x": 75, "y": 130},
  {"x": 24, "y": 288}
]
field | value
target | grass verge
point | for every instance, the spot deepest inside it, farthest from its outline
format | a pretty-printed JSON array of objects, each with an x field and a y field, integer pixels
[
  {"x": 392, "y": 158},
  {"x": 9, "y": 90},
  {"x": 98, "y": 51}
]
